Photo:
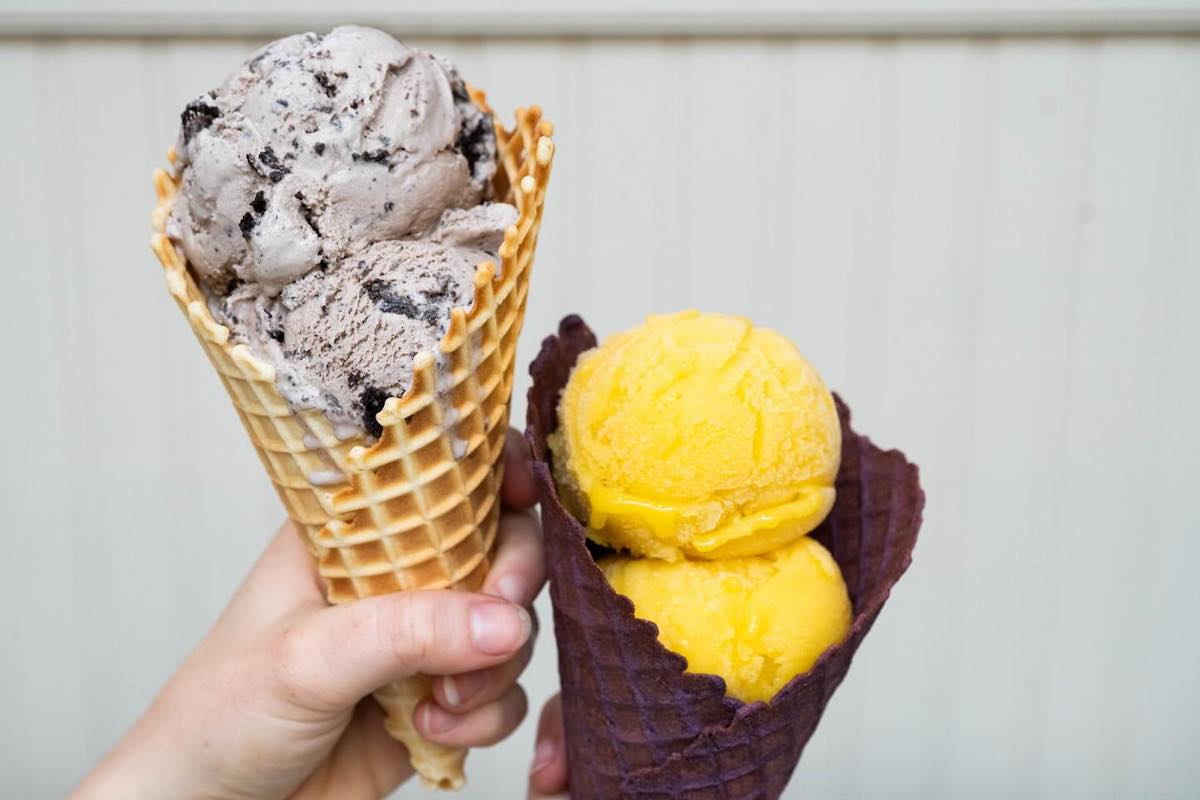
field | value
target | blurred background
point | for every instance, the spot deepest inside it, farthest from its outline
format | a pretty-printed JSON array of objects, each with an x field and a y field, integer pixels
[{"x": 979, "y": 218}]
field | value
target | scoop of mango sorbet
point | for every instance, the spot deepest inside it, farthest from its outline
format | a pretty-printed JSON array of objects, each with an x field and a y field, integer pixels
[
  {"x": 699, "y": 436},
  {"x": 756, "y": 621}
]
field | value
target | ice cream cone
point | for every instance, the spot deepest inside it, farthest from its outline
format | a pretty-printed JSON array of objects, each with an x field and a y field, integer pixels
[
  {"x": 419, "y": 508},
  {"x": 638, "y": 725}
]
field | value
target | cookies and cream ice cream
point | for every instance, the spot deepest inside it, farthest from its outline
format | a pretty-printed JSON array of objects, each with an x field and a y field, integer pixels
[
  {"x": 344, "y": 339},
  {"x": 333, "y": 203}
]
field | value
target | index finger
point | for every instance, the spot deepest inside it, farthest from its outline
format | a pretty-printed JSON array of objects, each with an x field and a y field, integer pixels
[
  {"x": 519, "y": 490},
  {"x": 519, "y": 567}
]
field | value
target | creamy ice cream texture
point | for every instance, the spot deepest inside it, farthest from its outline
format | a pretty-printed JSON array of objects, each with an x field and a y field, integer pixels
[
  {"x": 755, "y": 621},
  {"x": 704, "y": 449},
  {"x": 697, "y": 435},
  {"x": 333, "y": 205}
]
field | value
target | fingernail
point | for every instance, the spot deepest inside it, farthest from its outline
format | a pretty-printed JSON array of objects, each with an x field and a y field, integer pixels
[
  {"x": 498, "y": 628},
  {"x": 463, "y": 687},
  {"x": 512, "y": 588},
  {"x": 450, "y": 689},
  {"x": 438, "y": 721},
  {"x": 543, "y": 755}
]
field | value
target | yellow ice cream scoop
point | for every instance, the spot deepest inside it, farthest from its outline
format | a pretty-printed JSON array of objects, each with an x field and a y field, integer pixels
[
  {"x": 756, "y": 621},
  {"x": 696, "y": 435}
]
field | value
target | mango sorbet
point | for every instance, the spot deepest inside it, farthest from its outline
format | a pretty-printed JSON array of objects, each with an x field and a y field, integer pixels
[
  {"x": 703, "y": 449},
  {"x": 698, "y": 436},
  {"x": 755, "y": 621}
]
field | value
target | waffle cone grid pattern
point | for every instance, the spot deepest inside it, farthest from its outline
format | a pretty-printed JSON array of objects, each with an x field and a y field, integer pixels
[{"x": 419, "y": 507}]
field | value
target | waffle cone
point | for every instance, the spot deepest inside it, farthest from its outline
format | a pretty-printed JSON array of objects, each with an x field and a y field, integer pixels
[
  {"x": 418, "y": 508},
  {"x": 639, "y": 726}
]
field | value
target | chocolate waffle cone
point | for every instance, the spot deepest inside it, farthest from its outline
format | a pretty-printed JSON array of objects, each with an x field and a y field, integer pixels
[
  {"x": 638, "y": 725},
  {"x": 419, "y": 507}
]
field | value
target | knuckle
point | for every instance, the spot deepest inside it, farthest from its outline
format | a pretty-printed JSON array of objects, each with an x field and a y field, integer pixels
[
  {"x": 517, "y": 523},
  {"x": 509, "y": 714},
  {"x": 526, "y": 521},
  {"x": 292, "y": 654},
  {"x": 412, "y": 630},
  {"x": 520, "y": 704}
]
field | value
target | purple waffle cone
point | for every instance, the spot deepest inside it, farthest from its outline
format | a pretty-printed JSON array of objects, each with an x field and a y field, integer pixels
[{"x": 639, "y": 726}]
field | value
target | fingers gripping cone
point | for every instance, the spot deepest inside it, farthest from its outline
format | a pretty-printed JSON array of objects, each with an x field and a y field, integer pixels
[{"x": 419, "y": 508}]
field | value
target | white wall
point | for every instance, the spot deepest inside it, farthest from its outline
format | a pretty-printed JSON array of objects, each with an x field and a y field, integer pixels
[{"x": 990, "y": 246}]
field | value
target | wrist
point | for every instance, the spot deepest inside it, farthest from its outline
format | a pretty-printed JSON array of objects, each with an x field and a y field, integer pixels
[{"x": 143, "y": 765}]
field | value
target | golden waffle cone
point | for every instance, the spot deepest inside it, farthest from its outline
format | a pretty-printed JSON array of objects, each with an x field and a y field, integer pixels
[{"x": 419, "y": 508}]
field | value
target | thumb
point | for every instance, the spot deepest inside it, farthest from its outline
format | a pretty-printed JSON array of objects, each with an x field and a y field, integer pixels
[{"x": 338, "y": 655}]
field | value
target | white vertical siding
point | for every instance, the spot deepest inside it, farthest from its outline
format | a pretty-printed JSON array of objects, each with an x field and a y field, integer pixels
[{"x": 988, "y": 245}]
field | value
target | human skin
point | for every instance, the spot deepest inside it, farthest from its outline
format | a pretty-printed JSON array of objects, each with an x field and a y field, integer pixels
[
  {"x": 276, "y": 701},
  {"x": 548, "y": 773}
]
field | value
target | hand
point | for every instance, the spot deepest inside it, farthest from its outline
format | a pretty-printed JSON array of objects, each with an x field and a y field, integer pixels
[
  {"x": 548, "y": 774},
  {"x": 275, "y": 702}
]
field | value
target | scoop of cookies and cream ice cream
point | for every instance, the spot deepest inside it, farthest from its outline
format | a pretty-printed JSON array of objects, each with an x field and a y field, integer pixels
[
  {"x": 697, "y": 435},
  {"x": 333, "y": 204},
  {"x": 344, "y": 339},
  {"x": 318, "y": 146}
]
